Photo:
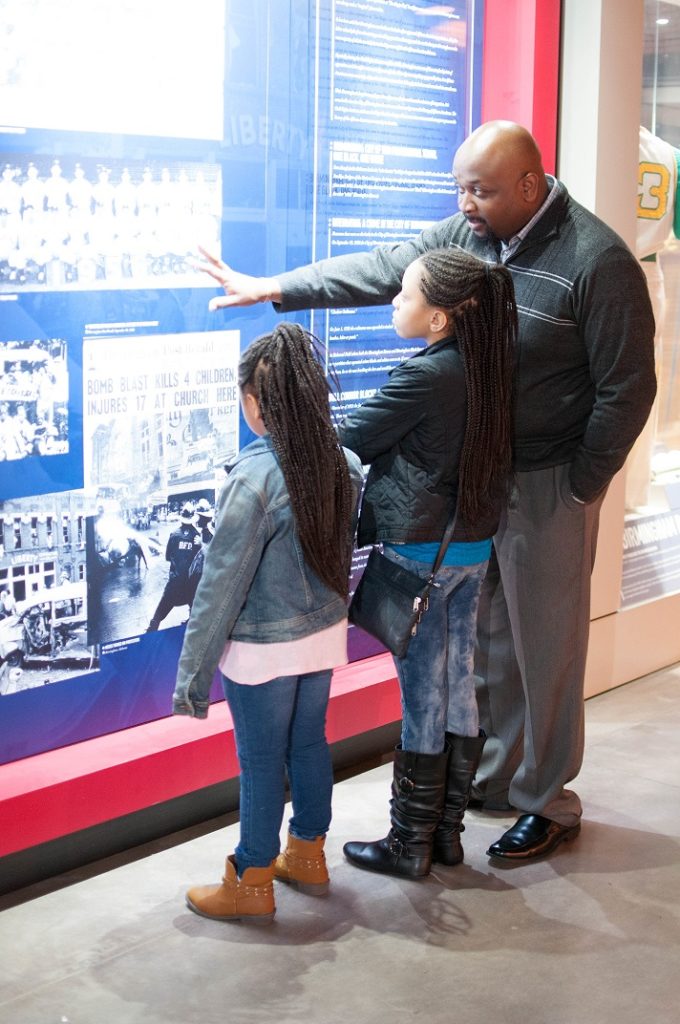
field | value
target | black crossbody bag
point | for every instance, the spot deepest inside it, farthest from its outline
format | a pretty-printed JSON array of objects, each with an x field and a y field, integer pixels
[{"x": 390, "y": 601}]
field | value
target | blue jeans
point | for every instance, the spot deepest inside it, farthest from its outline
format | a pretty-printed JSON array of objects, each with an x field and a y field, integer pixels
[
  {"x": 281, "y": 725},
  {"x": 436, "y": 676}
]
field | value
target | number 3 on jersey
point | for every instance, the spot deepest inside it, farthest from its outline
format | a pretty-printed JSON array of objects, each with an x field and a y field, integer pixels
[{"x": 653, "y": 186}]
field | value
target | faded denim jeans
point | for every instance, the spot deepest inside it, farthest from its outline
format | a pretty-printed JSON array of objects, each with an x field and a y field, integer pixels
[
  {"x": 280, "y": 726},
  {"x": 437, "y": 675}
]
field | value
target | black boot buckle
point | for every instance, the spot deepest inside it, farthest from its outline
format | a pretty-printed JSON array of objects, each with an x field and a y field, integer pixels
[{"x": 395, "y": 845}]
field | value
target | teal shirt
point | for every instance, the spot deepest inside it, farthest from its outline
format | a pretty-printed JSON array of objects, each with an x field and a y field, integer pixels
[{"x": 458, "y": 553}]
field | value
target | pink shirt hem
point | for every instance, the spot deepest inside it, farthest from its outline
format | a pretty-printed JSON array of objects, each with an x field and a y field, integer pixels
[{"x": 251, "y": 664}]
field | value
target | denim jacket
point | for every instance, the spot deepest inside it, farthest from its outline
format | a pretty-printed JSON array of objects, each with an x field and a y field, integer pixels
[{"x": 256, "y": 585}]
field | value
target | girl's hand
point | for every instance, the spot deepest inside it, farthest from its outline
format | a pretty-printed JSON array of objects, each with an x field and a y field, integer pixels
[{"x": 240, "y": 289}]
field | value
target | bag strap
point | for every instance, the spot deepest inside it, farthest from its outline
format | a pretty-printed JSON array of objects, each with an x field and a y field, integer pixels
[{"x": 446, "y": 540}]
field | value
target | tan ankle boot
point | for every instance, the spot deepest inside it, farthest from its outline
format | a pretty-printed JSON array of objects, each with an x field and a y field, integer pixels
[
  {"x": 249, "y": 898},
  {"x": 303, "y": 864}
]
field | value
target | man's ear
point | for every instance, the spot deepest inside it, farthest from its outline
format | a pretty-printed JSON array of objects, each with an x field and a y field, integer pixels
[{"x": 529, "y": 186}]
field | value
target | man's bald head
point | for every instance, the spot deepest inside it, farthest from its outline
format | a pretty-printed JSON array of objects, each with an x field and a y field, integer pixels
[
  {"x": 501, "y": 180},
  {"x": 504, "y": 141}
]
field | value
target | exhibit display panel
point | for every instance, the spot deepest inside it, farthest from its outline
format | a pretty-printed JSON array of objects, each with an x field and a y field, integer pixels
[{"x": 273, "y": 132}]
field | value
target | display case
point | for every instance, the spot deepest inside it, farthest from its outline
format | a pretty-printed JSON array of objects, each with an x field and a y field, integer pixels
[
  {"x": 275, "y": 131},
  {"x": 651, "y": 567},
  {"x": 605, "y": 46}
]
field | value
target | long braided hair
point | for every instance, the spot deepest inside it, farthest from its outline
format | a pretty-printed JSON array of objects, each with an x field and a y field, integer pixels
[
  {"x": 284, "y": 372},
  {"x": 479, "y": 299}
]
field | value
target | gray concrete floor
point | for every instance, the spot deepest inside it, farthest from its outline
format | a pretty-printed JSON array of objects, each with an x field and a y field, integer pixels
[{"x": 590, "y": 935}]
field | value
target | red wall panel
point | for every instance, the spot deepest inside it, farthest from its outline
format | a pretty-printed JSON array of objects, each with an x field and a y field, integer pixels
[{"x": 520, "y": 74}]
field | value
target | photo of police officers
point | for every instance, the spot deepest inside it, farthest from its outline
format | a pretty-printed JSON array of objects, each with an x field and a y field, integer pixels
[{"x": 144, "y": 564}]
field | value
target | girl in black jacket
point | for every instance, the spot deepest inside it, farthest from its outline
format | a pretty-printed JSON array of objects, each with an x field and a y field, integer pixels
[{"x": 438, "y": 435}]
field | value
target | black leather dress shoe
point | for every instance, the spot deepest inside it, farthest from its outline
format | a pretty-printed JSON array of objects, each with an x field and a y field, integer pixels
[{"x": 532, "y": 836}]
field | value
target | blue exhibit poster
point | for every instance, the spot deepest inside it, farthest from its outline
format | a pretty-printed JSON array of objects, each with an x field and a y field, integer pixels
[{"x": 274, "y": 132}]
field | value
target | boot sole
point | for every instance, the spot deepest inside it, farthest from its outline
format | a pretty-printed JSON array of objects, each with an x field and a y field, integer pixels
[
  {"x": 250, "y": 918},
  {"x": 385, "y": 870},
  {"x": 308, "y": 888}
]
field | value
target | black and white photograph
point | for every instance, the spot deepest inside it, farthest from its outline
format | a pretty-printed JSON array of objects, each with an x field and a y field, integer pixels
[
  {"x": 156, "y": 444},
  {"x": 43, "y": 592},
  {"x": 78, "y": 223},
  {"x": 144, "y": 564},
  {"x": 33, "y": 398}
]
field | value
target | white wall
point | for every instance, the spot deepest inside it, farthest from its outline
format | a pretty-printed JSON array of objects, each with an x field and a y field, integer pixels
[{"x": 600, "y": 93}]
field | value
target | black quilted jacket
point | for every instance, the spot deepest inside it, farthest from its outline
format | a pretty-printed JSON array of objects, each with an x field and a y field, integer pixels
[{"x": 411, "y": 433}]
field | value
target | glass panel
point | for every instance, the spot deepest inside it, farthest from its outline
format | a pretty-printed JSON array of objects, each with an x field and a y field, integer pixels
[
  {"x": 661, "y": 115},
  {"x": 651, "y": 566}
]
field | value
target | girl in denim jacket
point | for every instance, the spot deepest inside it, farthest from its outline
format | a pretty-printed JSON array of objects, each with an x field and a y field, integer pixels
[{"x": 271, "y": 611}]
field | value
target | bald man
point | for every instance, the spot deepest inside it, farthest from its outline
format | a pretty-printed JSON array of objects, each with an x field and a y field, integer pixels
[{"x": 585, "y": 385}]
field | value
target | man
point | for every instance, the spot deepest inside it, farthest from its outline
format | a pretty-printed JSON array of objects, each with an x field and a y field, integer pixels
[
  {"x": 8, "y": 605},
  {"x": 205, "y": 525},
  {"x": 183, "y": 544},
  {"x": 205, "y": 520},
  {"x": 11, "y": 442},
  {"x": 585, "y": 384},
  {"x": 24, "y": 429}
]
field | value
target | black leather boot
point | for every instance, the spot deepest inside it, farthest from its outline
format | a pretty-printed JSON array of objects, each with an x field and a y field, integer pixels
[
  {"x": 418, "y": 787},
  {"x": 465, "y": 753}
]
